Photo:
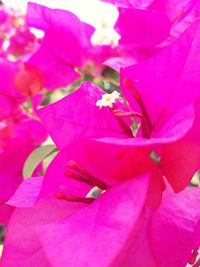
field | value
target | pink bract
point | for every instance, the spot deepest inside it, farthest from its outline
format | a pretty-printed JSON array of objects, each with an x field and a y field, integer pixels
[
  {"x": 64, "y": 47},
  {"x": 160, "y": 82},
  {"x": 77, "y": 115},
  {"x": 51, "y": 210}
]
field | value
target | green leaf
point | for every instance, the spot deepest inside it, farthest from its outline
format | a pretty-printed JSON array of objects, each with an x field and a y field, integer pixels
[{"x": 34, "y": 159}]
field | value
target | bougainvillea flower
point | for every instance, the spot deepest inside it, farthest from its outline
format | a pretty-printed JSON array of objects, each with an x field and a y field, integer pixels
[
  {"x": 18, "y": 81},
  {"x": 167, "y": 237},
  {"x": 77, "y": 115},
  {"x": 9, "y": 96},
  {"x": 171, "y": 236},
  {"x": 28, "y": 80},
  {"x": 117, "y": 148},
  {"x": 166, "y": 87},
  {"x": 20, "y": 139},
  {"x": 159, "y": 23},
  {"x": 175, "y": 147},
  {"x": 152, "y": 27},
  {"x": 64, "y": 47},
  {"x": 21, "y": 42},
  {"x": 28, "y": 217},
  {"x": 112, "y": 208}
]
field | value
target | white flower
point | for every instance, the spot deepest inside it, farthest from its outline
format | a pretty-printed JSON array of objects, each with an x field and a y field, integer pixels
[{"x": 108, "y": 100}]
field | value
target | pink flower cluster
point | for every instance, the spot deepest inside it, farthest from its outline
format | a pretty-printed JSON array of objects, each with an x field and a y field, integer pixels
[{"x": 117, "y": 193}]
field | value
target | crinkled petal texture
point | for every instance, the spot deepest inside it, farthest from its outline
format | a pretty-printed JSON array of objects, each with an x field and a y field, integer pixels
[
  {"x": 77, "y": 116},
  {"x": 97, "y": 235},
  {"x": 175, "y": 228},
  {"x": 142, "y": 28},
  {"x": 22, "y": 244},
  {"x": 64, "y": 46},
  {"x": 160, "y": 82}
]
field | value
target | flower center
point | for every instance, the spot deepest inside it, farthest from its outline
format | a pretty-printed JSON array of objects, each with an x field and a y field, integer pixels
[
  {"x": 146, "y": 122},
  {"x": 108, "y": 100}
]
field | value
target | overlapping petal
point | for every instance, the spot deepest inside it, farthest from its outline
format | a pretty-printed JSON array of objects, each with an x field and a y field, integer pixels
[
  {"x": 77, "y": 115},
  {"x": 160, "y": 82},
  {"x": 102, "y": 228}
]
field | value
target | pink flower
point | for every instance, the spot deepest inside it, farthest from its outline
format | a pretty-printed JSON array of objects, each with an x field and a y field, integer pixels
[
  {"x": 111, "y": 207},
  {"x": 96, "y": 236},
  {"x": 21, "y": 43},
  {"x": 159, "y": 23},
  {"x": 64, "y": 47},
  {"x": 152, "y": 27},
  {"x": 118, "y": 150},
  {"x": 116, "y": 229},
  {"x": 17, "y": 140},
  {"x": 9, "y": 96},
  {"x": 77, "y": 115},
  {"x": 166, "y": 87}
]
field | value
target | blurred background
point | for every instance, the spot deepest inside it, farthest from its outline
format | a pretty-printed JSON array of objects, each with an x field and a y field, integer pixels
[{"x": 101, "y": 15}]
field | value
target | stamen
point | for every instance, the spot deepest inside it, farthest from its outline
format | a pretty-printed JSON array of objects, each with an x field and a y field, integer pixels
[
  {"x": 130, "y": 114},
  {"x": 62, "y": 196},
  {"x": 146, "y": 123},
  {"x": 77, "y": 177},
  {"x": 84, "y": 176},
  {"x": 193, "y": 258}
]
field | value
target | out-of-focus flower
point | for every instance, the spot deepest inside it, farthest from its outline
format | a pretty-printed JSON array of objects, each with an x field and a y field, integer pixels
[
  {"x": 64, "y": 47},
  {"x": 18, "y": 138}
]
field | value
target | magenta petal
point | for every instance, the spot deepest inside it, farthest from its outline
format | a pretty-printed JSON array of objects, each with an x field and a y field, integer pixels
[
  {"x": 58, "y": 168},
  {"x": 181, "y": 159},
  {"x": 55, "y": 72},
  {"x": 175, "y": 10},
  {"x": 5, "y": 213},
  {"x": 11, "y": 164},
  {"x": 97, "y": 235},
  {"x": 117, "y": 63},
  {"x": 129, "y": 3},
  {"x": 30, "y": 131},
  {"x": 22, "y": 244},
  {"x": 26, "y": 193},
  {"x": 65, "y": 44},
  {"x": 152, "y": 27},
  {"x": 7, "y": 73},
  {"x": 176, "y": 143},
  {"x": 160, "y": 82},
  {"x": 77, "y": 116},
  {"x": 9, "y": 107},
  {"x": 174, "y": 226},
  {"x": 45, "y": 18}
]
